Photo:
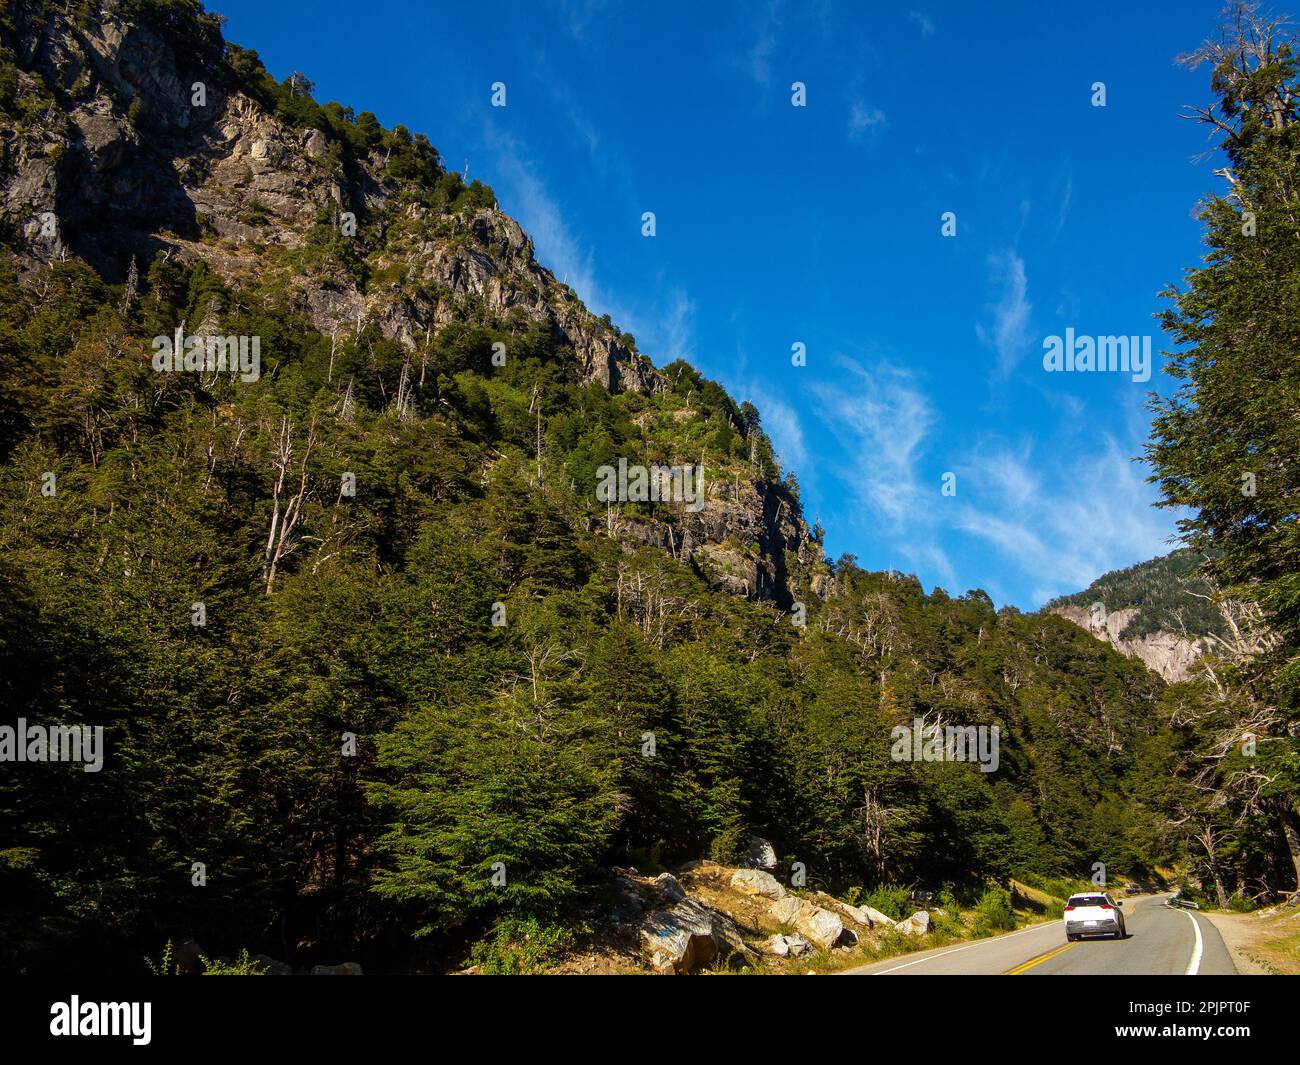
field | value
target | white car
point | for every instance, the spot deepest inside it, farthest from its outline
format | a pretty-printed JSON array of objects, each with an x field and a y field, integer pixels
[{"x": 1093, "y": 914}]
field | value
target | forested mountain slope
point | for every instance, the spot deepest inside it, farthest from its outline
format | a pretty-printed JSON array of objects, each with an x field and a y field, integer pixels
[
  {"x": 1163, "y": 611},
  {"x": 358, "y": 628}
]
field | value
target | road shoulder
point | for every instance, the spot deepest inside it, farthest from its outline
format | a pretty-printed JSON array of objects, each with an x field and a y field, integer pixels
[{"x": 1261, "y": 944}]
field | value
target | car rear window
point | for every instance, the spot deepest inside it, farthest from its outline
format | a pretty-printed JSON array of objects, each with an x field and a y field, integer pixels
[{"x": 1089, "y": 900}]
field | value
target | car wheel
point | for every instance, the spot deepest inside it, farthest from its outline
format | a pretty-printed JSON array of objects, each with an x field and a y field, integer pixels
[{"x": 1071, "y": 936}]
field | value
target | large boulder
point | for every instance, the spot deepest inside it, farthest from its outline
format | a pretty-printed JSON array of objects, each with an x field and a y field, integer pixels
[
  {"x": 788, "y": 909},
  {"x": 861, "y": 915},
  {"x": 823, "y": 927},
  {"x": 874, "y": 918},
  {"x": 761, "y": 855},
  {"x": 347, "y": 968},
  {"x": 684, "y": 936},
  {"x": 757, "y": 882},
  {"x": 916, "y": 925},
  {"x": 787, "y": 946}
]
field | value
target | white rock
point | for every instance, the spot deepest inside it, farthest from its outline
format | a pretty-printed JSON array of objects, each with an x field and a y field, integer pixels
[
  {"x": 798, "y": 946},
  {"x": 777, "y": 945},
  {"x": 787, "y": 946},
  {"x": 875, "y": 918},
  {"x": 788, "y": 909},
  {"x": 757, "y": 882},
  {"x": 684, "y": 936},
  {"x": 823, "y": 927},
  {"x": 679, "y": 938},
  {"x": 669, "y": 887}
]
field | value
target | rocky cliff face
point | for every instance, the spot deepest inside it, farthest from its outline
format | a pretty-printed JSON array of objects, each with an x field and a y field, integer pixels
[
  {"x": 1166, "y": 653},
  {"x": 145, "y": 137},
  {"x": 131, "y": 167},
  {"x": 742, "y": 539}
]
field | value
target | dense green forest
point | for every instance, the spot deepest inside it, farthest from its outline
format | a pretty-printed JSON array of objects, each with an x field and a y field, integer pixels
[
  {"x": 1223, "y": 447},
  {"x": 389, "y": 692}
]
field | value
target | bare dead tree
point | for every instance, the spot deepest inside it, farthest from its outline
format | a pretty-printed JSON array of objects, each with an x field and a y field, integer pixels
[
  {"x": 289, "y": 496},
  {"x": 1250, "y": 44}
]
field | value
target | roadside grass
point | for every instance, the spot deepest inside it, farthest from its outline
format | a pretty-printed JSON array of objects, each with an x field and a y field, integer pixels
[
  {"x": 879, "y": 947},
  {"x": 982, "y": 913},
  {"x": 1047, "y": 888},
  {"x": 1279, "y": 946},
  {"x": 1273, "y": 939},
  {"x": 991, "y": 914},
  {"x": 1038, "y": 899}
]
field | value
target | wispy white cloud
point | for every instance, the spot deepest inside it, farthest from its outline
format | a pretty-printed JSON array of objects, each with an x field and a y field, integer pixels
[
  {"x": 757, "y": 60},
  {"x": 1062, "y": 524},
  {"x": 781, "y": 423},
  {"x": 664, "y": 324},
  {"x": 541, "y": 215},
  {"x": 923, "y": 22},
  {"x": 669, "y": 333},
  {"x": 881, "y": 420},
  {"x": 577, "y": 15},
  {"x": 863, "y": 118},
  {"x": 1008, "y": 332},
  {"x": 1050, "y": 517},
  {"x": 926, "y": 556},
  {"x": 1064, "y": 203}
]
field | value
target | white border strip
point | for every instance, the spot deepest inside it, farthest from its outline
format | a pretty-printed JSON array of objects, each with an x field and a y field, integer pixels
[
  {"x": 968, "y": 946},
  {"x": 1194, "y": 966}
]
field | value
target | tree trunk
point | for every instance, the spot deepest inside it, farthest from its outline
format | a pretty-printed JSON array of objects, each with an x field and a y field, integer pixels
[
  {"x": 1219, "y": 889},
  {"x": 1291, "y": 830}
]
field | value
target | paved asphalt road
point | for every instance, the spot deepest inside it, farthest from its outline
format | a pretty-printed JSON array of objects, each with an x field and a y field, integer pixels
[{"x": 1161, "y": 942}]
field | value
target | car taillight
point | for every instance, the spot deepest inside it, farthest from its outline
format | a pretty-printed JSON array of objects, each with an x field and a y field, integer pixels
[
  {"x": 1106, "y": 906},
  {"x": 1068, "y": 909}
]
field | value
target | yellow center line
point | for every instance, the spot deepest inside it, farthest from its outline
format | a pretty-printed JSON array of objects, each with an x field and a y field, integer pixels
[{"x": 1026, "y": 966}]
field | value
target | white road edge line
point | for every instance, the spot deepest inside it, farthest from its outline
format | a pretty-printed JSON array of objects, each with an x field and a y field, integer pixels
[
  {"x": 1194, "y": 966},
  {"x": 981, "y": 943}
]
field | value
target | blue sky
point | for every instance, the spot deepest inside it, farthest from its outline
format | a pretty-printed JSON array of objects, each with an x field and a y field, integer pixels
[{"x": 822, "y": 225}]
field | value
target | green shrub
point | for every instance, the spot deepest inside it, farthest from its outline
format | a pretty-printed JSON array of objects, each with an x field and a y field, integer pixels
[
  {"x": 729, "y": 845},
  {"x": 959, "y": 895},
  {"x": 1238, "y": 903},
  {"x": 993, "y": 912},
  {"x": 166, "y": 964},
  {"x": 521, "y": 947},
  {"x": 891, "y": 900},
  {"x": 1194, "y": 893},
  {"x": 241, "y": 966}
]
